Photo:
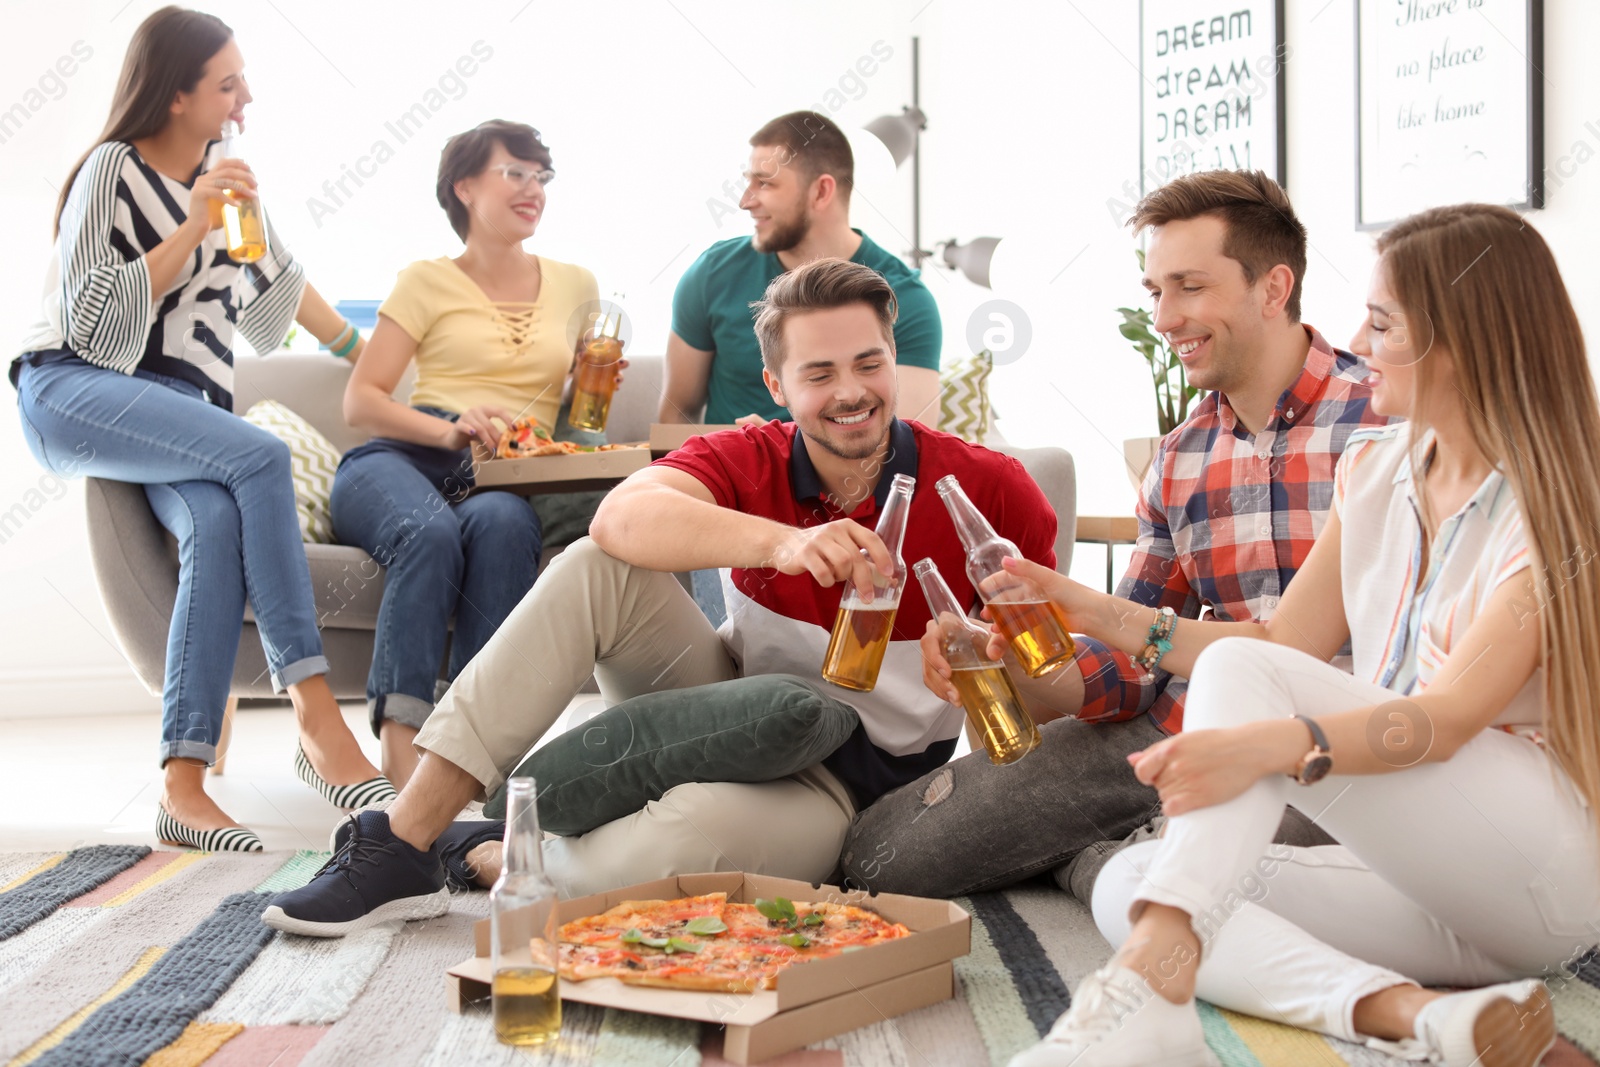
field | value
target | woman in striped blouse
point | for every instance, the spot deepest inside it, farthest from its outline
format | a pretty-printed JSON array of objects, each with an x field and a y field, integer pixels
[
  {"x": 132, "y": 368},
  {"x": 1457, "y": 764}
]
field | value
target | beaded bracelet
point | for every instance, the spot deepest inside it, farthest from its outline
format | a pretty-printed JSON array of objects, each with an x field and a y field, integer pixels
[
  {"x": 1158, "y": 642},
  {"x": 348, "y": 345}
]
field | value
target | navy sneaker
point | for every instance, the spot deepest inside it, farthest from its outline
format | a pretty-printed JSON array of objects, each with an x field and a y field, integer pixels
[
  {"x": 458, "y": 839},
  {"x": 374, "y": 878}
]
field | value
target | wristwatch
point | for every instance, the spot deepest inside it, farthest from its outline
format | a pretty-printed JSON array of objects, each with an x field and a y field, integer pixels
[{"x": 1314, "y": 765}]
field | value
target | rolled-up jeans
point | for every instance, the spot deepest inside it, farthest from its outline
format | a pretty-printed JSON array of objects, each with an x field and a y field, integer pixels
[
  {"x": 1479, "y": 869},
  {"x": 223, "y": 488}
]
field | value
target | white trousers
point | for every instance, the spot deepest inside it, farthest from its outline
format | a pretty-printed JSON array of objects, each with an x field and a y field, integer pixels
[{"x": 1473, "y": 871}]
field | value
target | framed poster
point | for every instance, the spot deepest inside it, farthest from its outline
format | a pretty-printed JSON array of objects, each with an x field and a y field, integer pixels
[
  {"x": 1211, "y": 88},
  {"x": 1449, "y": 105}
]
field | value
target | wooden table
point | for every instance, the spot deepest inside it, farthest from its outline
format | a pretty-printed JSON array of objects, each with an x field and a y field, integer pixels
[{"x": 1108, "y": 530}]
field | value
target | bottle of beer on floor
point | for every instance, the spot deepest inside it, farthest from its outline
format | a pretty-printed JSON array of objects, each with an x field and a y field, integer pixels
[
  {"x": 861, "y": 632},
  {"x": 523, "y": 934},
  {"x": 987, "y": 694},
  {"x": 241, "y": 215},
  {"x": 1028, "y": 619}
]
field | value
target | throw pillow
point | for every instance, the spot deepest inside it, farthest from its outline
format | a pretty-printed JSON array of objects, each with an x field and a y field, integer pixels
[
  {"x": 313, "y": 461},
  {"x": 964, "y": 397},
  {"x": 745, "y": 730}
]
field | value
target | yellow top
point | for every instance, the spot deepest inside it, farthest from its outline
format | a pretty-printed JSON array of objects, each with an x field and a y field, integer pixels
[{"x": 473, "y": 351}]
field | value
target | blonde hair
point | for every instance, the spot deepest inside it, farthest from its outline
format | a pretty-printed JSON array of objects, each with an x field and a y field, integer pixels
[{"x": 1485, "y": 287}]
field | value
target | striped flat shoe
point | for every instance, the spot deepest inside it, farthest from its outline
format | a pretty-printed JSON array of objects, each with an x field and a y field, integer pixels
[
  {"x": 170, "y": 831},
  {"x": 349, "y": 797}
]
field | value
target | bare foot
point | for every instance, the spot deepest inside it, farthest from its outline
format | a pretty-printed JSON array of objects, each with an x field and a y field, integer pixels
[
  {"x": 184, "y": 796},
  {"x": 329, "y": 745},
  {"x": 399, "y": 753}
]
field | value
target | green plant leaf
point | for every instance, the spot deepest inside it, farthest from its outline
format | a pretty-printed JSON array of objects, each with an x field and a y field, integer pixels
[
  {"x": 814, "y": 919},
  {"x": 632, "y": 936},
  {"x": 795, "y": 940},
  {"x": 678, "y": 944},
  {"x": 706, "y": 926},
  {"x": 780, "y": 910}
]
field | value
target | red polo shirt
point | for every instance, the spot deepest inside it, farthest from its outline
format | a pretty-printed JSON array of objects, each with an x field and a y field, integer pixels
[{"x": 780, "y": 624}]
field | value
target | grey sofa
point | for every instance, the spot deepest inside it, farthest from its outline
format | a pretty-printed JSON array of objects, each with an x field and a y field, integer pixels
[{"x": 135, "y": 559}]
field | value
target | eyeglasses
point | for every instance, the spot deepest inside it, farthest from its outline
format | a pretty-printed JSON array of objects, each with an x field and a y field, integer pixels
[{"x": 520, "y": 175}]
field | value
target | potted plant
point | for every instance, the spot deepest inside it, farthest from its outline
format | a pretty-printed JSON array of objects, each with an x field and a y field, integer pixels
[{"x": 1173, "y": 391}]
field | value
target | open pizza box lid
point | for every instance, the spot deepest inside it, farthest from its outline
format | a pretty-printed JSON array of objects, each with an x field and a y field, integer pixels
[
  {"x": 562, "y": 474},
  {"x": 906, "y": 973}
]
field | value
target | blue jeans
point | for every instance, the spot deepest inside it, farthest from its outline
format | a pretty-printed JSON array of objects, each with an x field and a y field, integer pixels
[
  {"x": 223, "y": 488},
  {"x": 473, "y": 558}
]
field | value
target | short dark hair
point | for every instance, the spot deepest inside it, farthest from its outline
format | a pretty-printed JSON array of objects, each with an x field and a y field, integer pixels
[
  {"x": 466, "y": 154},
  {"x": 1262, "y": 230},
  {"x": 817, "y": 286},
  {"x": 815, "y": 144}
]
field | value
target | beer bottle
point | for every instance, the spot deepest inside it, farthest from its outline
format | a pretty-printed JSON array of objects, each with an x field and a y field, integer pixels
[
  {"x": 861, "y": 632},
  {"x": 1021, "y": 612},
  {"x": 241, "y": 215},
  {"x": 987, "y": 695},
  {"x": 523, "y": 936}
]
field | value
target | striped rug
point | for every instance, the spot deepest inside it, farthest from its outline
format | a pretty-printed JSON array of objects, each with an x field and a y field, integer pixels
[{"x": 119, "y": 955}]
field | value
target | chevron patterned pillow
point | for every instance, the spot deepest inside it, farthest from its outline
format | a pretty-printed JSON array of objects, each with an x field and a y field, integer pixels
[
  {"x": 964, "y": 397},
  {"x": 313, "y": 460}
]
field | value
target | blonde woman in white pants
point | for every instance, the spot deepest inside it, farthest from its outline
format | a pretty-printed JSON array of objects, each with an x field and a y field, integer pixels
[{"x": 1459, "y": 763}]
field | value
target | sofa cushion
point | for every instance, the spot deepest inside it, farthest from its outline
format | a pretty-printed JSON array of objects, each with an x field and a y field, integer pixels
[
  {"x": 313, "y": 461},
  {"x": 964, "y": 397},
  {"x": 745, "y": 730}
]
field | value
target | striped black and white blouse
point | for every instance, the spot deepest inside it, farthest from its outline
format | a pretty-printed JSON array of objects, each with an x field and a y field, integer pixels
[{"x": 98, "y": 302}]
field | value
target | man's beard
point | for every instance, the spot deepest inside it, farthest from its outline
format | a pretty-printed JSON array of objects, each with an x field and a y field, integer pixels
[
  {"x": 829, "y": 445},
  {"x": 783, "y": 236}
]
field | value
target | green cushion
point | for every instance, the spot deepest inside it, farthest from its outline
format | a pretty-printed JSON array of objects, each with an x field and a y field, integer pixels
[{"x": 746, "y": 730}]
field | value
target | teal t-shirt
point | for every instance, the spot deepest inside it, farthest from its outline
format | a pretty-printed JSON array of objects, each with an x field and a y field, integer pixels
[{"x": 711, "y": 312}]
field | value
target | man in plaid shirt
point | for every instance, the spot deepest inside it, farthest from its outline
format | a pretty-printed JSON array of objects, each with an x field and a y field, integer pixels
[{"x": 1227, "y": 515}]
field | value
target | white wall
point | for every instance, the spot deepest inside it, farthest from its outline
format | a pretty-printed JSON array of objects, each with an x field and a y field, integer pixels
[{"x": 1033, "y": 129}]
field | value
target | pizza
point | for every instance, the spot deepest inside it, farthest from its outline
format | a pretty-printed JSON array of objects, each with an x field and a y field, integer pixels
[
  {"x": 526, "y": 438},
  {"x": 706, "y": 943}
]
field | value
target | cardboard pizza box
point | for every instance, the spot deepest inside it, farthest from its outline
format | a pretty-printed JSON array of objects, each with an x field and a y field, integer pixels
[
  {"x": 812, "y": 1001},
  {"x": 562, "y": 474},
  {"x": 666, "y": 436}
]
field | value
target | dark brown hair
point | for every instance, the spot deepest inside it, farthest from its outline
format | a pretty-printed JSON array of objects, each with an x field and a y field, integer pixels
[
  {"x": 817, "y": 286},
  {"x": 167, "y": 56},
  {"x": 466, "y": 154},
  {"x": 1262, "y": 228},
  {"x": 815, "y": 144}
]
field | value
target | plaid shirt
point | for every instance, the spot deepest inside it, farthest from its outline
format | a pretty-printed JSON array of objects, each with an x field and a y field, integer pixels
[{"x": 1226, "y": 517}]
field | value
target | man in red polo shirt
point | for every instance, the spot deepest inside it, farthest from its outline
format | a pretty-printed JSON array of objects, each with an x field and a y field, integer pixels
[{"x": 790, "y": 508}]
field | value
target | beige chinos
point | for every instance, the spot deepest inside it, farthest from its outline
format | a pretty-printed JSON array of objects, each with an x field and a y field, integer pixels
[{"x": 637, "y": 631}]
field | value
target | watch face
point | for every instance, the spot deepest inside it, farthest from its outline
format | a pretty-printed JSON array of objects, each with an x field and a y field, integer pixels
[{"x": 1316, "y": 769}]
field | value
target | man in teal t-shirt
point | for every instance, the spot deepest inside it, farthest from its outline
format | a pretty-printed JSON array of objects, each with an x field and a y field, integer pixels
[{"x": 798, "y": 195}]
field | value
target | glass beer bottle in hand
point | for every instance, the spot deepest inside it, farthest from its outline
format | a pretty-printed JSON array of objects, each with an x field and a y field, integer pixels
[
  {"x": 241, "y": 215},
  {"x": 1028, "y": 619},
  {"x": 987, "y": 694},
  {"x": 523, "y": 935},
  {"x": 861, "y": 632}
]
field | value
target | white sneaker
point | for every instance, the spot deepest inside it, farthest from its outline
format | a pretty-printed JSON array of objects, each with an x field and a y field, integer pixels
[
  {"x": 1508, "y": 1025},
  {"x": 1117, "y": 1020}
]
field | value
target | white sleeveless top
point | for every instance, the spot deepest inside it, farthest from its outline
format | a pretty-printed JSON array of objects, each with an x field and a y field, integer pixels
[{"x": 1403, "y": 624}]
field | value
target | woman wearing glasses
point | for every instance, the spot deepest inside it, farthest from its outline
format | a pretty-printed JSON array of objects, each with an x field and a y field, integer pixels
[{"x": 493, "y": 333}]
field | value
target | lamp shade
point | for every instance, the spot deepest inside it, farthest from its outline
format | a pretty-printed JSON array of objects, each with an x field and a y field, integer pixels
[
  {"x": 971, "y": 259},
  {"x": 899, "y": 132}
]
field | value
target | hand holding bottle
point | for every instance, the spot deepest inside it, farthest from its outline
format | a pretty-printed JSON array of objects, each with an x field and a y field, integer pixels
[
  {"x": 229, "y": 180},
  {"x": 838, "y": 551}
]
